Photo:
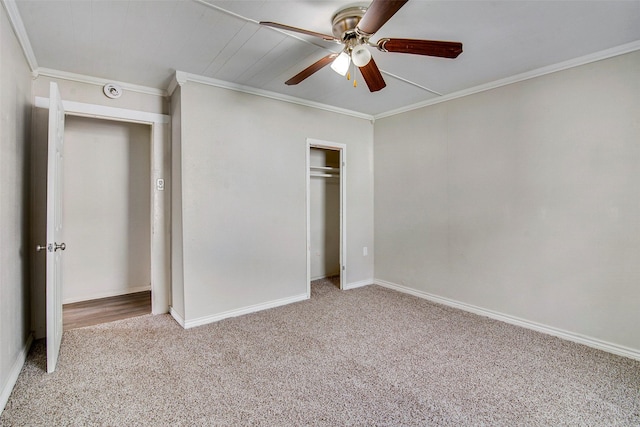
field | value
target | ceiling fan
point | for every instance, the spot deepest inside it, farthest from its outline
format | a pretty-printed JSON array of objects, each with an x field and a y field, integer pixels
[{"x": 352, "y": 27}]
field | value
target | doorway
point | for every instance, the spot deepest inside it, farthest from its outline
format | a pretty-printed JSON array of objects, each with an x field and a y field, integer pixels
[
  {"x": 157, "y": 126},
  {"x": 326, "y": 233},
  {"x": 107, "y": 208}
]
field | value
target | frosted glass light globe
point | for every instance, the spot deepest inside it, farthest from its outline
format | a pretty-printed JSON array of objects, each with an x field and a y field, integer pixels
[
  {"x": 360, "y": 56},
  {"x": 341, "y": 64}
]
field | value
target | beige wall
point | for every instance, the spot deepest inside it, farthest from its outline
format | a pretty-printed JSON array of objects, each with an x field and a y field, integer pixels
[
  {"x": 243, "y": 205},
  {"x": 107, "y": 208},
  {"x": 90, "y": 93},
  {"x": 15, "y": 117},
  {"x": 522, "y": 200}
]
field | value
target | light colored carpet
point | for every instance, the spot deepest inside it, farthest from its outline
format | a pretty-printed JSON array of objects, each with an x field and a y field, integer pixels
[{"x": 365, "y": 357}]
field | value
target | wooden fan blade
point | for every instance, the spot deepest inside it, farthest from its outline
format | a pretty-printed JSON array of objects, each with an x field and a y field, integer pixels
[
  {"x": 299, "y": 30},
  {"x": 378, "y": 12},
  {"x": 372, "y": 76},
  {"x": 311, "y": 69},
  {"x": 421, "y": 47}
]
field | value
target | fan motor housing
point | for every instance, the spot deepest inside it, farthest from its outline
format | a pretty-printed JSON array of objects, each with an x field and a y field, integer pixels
[{"x": 344, "y": 22}]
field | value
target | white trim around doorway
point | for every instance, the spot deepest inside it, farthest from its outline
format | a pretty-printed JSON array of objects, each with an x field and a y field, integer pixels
[
  {"x": 342, "y": 148},
  {"x": 160, "y": 278}
]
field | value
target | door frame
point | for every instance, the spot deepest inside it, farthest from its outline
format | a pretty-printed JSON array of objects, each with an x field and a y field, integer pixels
[
  {"x": 342, "y": 149},
  {"x": 160, "y": 278}
]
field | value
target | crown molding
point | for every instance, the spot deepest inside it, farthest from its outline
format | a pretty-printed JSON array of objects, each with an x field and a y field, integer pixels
[
  {"x": 81, "y": 78},
  {"x": 561, "y": 66},
  {"x": 181, "y": 78},
  {"x": 23, "y": 39},
  {"x": 21, "y": 33}
]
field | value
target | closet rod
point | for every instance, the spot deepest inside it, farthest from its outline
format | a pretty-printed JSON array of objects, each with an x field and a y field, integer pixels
[
  {"x": 324, "y": 175},
  {"x": 326, "y": 168}
]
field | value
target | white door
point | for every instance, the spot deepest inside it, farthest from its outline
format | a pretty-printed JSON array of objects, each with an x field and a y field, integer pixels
[{"x": 55, "y": 241}]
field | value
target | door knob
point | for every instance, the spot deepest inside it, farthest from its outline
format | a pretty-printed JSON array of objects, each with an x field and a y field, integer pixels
[{"x": 52, "y": 247}]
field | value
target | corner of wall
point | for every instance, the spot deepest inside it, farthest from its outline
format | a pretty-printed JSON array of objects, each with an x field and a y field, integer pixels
[
  {"x": 12, "y": 377},
  {"x": 177, "y": 265}
]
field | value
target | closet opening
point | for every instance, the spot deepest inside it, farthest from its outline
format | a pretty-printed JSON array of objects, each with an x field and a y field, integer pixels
[
  {"x": 325, "y": 214},
  {"x": 107, "y": 208}
]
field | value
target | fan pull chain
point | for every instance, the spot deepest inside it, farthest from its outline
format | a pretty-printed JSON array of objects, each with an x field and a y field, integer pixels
[{"x": 355, "y": 82}]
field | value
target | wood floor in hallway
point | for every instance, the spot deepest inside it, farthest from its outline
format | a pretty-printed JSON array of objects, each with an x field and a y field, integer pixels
[{"x": 93, "y": 312}]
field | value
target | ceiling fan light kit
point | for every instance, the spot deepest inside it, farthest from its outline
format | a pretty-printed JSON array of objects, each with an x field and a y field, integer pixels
[
  {"x": 341, "y": 64},
  {"x": 360, "y": 56},
  {"x": 352, "y": 27}
]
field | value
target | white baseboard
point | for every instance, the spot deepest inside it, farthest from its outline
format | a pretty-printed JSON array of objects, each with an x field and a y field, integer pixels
[
  {"x": 358, "y": 284},
  {"x": 12, "y": 378},
  {"x": 178, "y": 318},
  {"x": 549, "y": 330},
  {"x": 107, "y": 294},
  {"x": 241, "y": 311}
]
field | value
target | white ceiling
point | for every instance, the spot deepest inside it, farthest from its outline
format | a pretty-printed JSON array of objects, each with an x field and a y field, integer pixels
[{"x": 144, "y": 42}]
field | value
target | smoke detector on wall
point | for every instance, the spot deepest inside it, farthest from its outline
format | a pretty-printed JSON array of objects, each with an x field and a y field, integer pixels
[{"x": 112, "y": 90}]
